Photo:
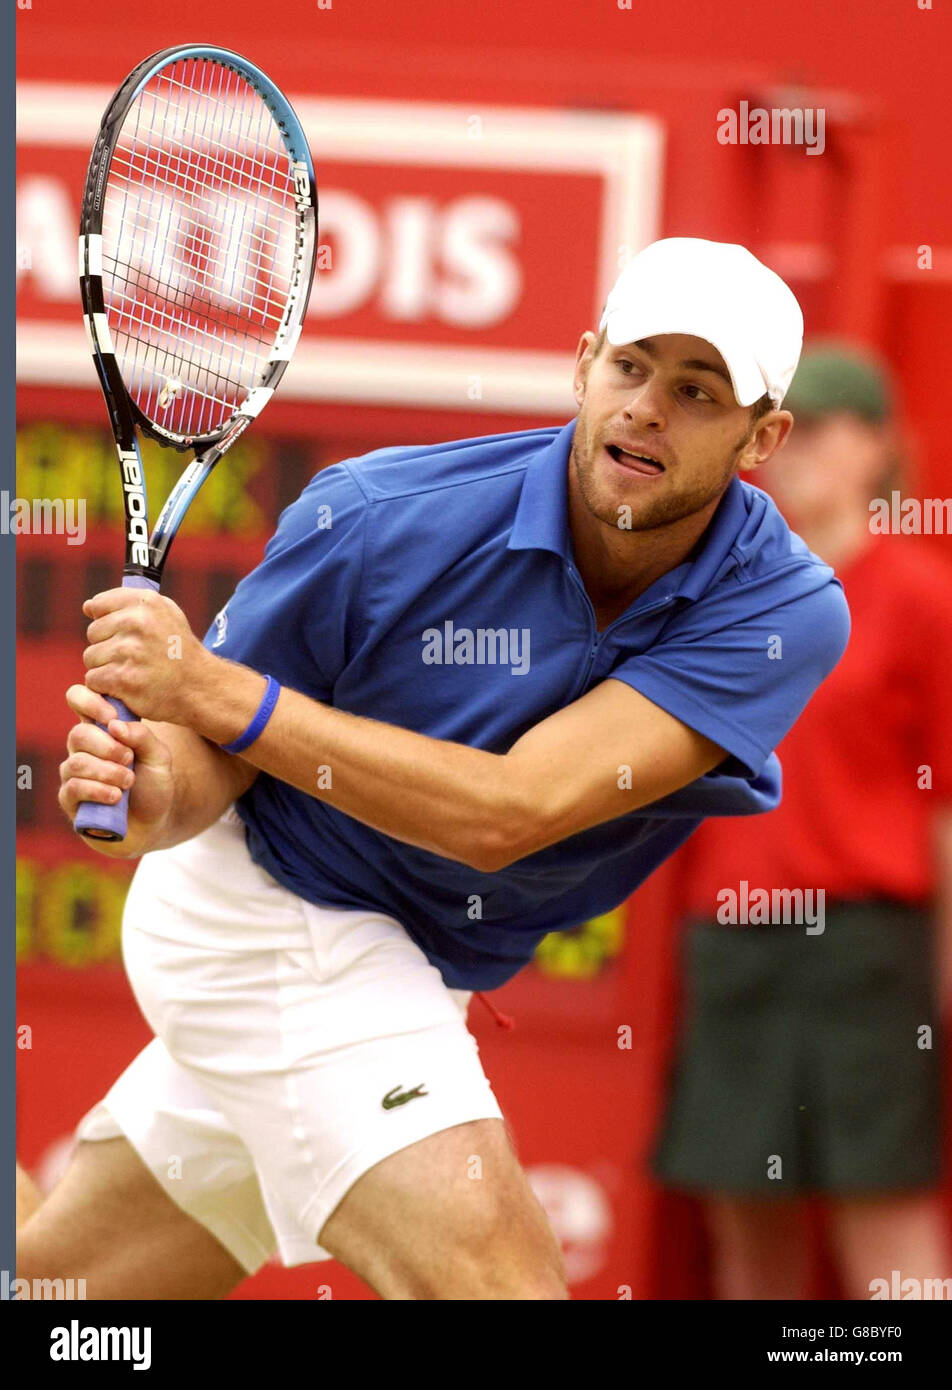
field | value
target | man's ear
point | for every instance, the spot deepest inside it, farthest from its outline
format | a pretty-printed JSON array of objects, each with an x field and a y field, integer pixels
[
  {"x": 769, "y": 434},
  {"x": 584, "y": 356}
]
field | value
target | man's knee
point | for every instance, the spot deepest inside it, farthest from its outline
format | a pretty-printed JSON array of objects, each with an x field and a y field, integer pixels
[
  {"x": 508, "y": 1252},
  {"x": 109, "y": 1224},
  {"x": 38, "y": 1262},
  {"x": 428, "y": 1222}
]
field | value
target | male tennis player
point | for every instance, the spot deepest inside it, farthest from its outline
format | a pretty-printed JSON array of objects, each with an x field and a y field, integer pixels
[{"x": 475, "y": 692}]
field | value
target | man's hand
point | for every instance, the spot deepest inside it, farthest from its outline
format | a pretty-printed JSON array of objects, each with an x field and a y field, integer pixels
[
  {"x": 99, "y": 768},
  {"x": 143, "y": 651}
]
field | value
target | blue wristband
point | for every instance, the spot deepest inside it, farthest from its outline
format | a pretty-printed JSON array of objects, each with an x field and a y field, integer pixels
[{"x": 256, "y": 727}]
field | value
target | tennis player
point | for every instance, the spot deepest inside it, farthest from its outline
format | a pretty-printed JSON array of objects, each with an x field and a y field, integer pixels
[{"x": 474, "y": 693}]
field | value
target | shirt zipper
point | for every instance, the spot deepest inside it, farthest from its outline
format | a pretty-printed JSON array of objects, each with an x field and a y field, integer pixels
[{"x": 598, "y": 637}]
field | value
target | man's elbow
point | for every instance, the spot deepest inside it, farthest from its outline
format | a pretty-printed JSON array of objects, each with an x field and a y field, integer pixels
[
  {"x": 487, "y": 854},
  {"x": 505, "y": 835}
]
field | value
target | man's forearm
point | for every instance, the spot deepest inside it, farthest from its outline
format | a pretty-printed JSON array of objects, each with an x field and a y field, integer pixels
[
  {"x": 445, "y": 797},
  {"x": 600, "y": 757},
  {"x": 205, "y": 783}
]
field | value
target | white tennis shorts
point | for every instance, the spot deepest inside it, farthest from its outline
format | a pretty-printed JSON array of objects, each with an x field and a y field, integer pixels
[{"x": 296, "y": 1047}]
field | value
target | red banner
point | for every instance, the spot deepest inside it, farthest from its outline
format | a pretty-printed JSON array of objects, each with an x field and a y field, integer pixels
[{"x": 493, "y": 237}]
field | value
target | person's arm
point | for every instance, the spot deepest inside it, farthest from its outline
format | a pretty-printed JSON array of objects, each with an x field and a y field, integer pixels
[
  {"x": 483, "y": 809},
  {"x": 181, "y": 784}
]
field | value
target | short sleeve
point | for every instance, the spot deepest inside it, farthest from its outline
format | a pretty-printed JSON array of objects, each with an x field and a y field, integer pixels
[
  {"x": 295, "y": 616},
  {"x": 744, "y": 682}
]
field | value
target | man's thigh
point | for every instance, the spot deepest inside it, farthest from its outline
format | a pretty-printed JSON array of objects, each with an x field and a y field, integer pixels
[
  {"x": 335, "y": 1078},
  {"x": 449, "y": 1217},
  {"x": 301, "y": 1070},
  {"x": 108, "y": 1221}
]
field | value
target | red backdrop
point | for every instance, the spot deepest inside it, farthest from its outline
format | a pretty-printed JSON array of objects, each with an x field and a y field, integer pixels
[{"x": 864, "y": 235}]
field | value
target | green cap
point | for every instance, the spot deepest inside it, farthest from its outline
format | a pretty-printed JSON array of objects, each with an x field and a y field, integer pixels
[{"x": 832, "y": 378}]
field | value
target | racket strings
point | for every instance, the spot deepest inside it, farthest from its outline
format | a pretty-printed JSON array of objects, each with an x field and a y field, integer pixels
[
  {"x": 259, "y": 234},
  {"x": 181, "y": 136},
  {"x": 200, "y": 233},
  {"x": 185, "y": 170},
  {"x": 258, "y": 298},
  {"x": 147, "y": 321}
]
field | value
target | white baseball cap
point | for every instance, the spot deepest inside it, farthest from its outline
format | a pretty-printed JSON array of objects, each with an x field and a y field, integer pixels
[{"x": 717, "y": 291}]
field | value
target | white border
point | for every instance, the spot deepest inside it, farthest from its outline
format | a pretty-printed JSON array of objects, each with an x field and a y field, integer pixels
[
  {"x": 335, "y": 369},
  {"x": 625, "y": 150}
]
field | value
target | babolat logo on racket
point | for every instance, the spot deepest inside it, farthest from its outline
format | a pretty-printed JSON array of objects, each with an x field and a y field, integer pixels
[
  {"x": 134, "y": 488},
  {"x": 238, "y": 428},
  {"x": 302, "y": 183}
]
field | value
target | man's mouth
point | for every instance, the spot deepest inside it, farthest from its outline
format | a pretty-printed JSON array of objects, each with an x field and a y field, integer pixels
[{"x": 637, "y": 462}]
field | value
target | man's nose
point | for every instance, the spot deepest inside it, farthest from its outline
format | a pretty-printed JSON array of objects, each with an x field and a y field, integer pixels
[{"x": 645, "y": 407}]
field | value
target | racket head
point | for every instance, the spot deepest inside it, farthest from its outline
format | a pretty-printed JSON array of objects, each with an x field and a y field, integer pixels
[{"x": 198, "y": 238}]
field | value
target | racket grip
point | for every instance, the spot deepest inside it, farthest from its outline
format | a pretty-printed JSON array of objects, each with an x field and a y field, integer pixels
[{"x": 95, "y": 819}]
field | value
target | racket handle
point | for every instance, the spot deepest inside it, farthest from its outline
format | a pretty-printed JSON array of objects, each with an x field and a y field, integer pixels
[{"x": 95, "y": 819}]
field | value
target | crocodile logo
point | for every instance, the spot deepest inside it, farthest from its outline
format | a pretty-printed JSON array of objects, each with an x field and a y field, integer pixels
[{"x": 398, "y": 1097}]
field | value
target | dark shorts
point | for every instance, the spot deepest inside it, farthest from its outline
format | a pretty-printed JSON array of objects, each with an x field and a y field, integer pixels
[{"x": 803, "y": 1056}]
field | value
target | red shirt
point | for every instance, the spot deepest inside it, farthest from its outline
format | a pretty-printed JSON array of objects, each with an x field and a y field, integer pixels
[{"x": 854, "y": 819}]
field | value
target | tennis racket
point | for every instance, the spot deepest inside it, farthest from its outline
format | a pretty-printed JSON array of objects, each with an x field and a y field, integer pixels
[{"x": 197, "y": 242}]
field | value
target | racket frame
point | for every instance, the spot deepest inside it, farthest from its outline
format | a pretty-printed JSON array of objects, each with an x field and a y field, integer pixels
[{"x": 146, "y": 554}]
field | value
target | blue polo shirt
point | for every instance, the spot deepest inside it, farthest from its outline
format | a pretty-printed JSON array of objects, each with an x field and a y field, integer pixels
[{"x": 435, "y": 588}]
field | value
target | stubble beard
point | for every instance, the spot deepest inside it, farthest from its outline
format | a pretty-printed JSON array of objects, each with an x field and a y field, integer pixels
[{"x": 647, "y": 514}]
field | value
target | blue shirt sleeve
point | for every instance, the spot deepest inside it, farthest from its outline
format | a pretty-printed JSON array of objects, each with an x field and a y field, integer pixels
[
  {"x": 740, "y": 666},
  {"x": 296, "y": 616}
]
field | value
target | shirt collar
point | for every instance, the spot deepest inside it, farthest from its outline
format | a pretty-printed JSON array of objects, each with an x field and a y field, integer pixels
[
  {"x": 541, "y": 521},
  {"x": 716, "y": 555},
  {"x": 542, "y": 515}
]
